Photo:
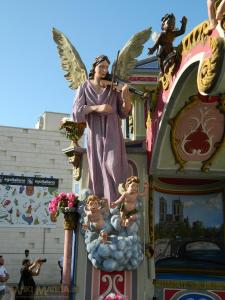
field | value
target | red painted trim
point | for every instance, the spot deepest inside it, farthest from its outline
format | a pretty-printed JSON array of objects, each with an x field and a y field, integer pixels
[
  {"x": 208, "y": 99},
  {"x": 221, "y": 294},
  {"x": 169, "y": 293},
  {"x": 142, "y": 78},
  {"x": 174, "y": 191}
]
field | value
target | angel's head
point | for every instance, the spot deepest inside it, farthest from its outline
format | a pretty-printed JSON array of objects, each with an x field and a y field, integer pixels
[
  {"x": 132, "y": 184},
  {"x": 100, "y": 67},
  {"x": 168, "y": 22},
  {"x": 93, "y": 203}
]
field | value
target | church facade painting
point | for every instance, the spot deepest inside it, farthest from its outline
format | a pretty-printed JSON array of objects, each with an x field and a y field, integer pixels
[{"x": 189, "y": 233}]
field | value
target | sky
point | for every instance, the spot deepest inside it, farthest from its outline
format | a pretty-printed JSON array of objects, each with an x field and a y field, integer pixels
[{"x": 31, "y": 78}]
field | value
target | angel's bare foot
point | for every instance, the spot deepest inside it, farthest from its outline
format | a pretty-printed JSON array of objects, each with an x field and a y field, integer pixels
[
  {"x": 127, "y": 223},
  {"x": 130, "y": 221},
  {"x": 212, "y": 25},
  {"x": 133, "y": 218},
  {"x": 123, "y": 222},
  {"x": 220, "y": 11},
  {"x": 219, "y": 16}
]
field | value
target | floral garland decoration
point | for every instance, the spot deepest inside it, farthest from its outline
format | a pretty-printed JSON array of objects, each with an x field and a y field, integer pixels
[{"x": 63, "y": 203}]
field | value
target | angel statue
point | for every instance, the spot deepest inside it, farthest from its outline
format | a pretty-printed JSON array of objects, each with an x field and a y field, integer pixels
[
  {"x": 216, "y": 10},
  {"x": 101, "y": 107}
]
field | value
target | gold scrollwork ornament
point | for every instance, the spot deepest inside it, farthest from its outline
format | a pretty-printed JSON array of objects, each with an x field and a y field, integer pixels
[{"x": 211, "y": 66}]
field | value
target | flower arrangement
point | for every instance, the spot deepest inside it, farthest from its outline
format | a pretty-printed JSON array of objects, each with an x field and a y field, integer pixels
[
  {"x": 63, "y": 203},
  {"x": 73, "y": 130}
]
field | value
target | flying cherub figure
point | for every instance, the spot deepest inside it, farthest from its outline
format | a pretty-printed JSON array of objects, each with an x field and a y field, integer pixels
[
  {"x": 95, "y": 217},
  {"x": 128, "y": 201},
  {"x": 101, "y": 108},
  {"x": 164, "y": 43}
]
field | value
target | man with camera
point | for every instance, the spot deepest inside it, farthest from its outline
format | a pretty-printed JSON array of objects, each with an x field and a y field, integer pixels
[{"x": 27, "y": 286}]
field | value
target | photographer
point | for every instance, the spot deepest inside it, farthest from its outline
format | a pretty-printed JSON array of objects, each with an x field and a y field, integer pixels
[{"x": 27, "y": 286}]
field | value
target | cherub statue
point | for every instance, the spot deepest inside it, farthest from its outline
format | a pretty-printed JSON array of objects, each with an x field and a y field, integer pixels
[
  {"x": 215, "y": 14},
  {"x": 95, "y": 217},
  {"x": 164, "y": 43},
  {"x": 128, "y": 201},
  {"x": 101, "y": 107}
]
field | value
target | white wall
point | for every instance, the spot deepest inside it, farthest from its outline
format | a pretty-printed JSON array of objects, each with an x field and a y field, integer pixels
[{"x": 37, "y": 152}]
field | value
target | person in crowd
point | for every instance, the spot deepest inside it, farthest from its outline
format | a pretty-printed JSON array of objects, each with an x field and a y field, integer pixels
[
  {"x": 27, "y": 285},
  {"x": 4, "y": 276},
  {"x": 60, "y": 264},
  {"x": 27, "y": 253}
]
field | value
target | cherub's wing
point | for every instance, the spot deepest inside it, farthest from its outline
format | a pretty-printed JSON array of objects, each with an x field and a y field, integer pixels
[
  {"x": 71, "y": 62},
  {"x": 132, "y": 49},
  {"x": 121, "y": 188}
]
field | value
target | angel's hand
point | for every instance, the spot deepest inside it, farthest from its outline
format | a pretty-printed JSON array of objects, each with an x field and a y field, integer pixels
[
  {"x": 184, "y": 20},
  {"x": 126, "y": 99},
  {"x": 113, "y": 205},
  {"x": 125, "y": 92},
  {"x": 104, "y": 108},
  {"x": 144, "y": 193}
]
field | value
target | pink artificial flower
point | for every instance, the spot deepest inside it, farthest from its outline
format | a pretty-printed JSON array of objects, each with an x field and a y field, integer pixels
[
  {"x": 62, "y": 195},
  {"x": 52, "y": 208},
  {"x": 57, "y": 198},
  {"x": 70, "y": 204},
  {"x": 62, "y": 200},
  {"x": 70, "y": 196},
  {"x": 55, "y": 201}
]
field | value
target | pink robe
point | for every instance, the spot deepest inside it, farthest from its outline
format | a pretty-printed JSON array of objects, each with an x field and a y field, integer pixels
[{"x": 106, "y": 152}]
